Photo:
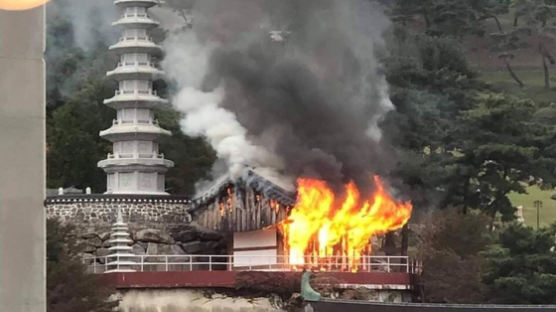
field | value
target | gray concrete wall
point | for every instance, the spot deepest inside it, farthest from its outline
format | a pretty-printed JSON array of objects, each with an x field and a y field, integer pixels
[
  {"x": 22, "y": 161},
  {"x": 193, "y": 300},
  {"x": 361, "y": 306}
]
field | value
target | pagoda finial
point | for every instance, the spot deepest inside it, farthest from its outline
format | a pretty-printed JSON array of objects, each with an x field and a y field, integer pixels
[{"x": 119, "y": 217}]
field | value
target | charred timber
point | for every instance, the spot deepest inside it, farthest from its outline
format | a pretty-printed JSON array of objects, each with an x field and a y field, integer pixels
[{"x": 248, "y": 204}]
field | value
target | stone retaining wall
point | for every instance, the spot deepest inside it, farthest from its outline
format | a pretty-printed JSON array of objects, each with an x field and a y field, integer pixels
[
  {"x": 100, "y": 210},
  {"x": 158, "y": 224}
]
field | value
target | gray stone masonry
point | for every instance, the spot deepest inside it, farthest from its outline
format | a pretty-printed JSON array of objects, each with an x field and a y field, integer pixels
[{"x": 158, "y": 225}]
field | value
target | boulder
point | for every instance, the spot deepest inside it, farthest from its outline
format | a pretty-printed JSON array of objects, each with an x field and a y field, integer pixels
[
  {"x": 104, "y": 236},
  {"x": 88, "y": 248},
  {"x": 193, "y": 247},
  {"x": 152, "y": 249},
  {"x": 553, "y": 197},
  {"x": 138, "y": 249},
  {"x": 164, "y": 249},
  {"x": 210, "y": 236},
  {"x": 186, "y": 236},
  {"x": 102, "y": 252},
  {"x": 101, "y": 260},
  {"x": 94, "y": 241},
  {"x": 185, "y": 228},
  {"x": 89, "y": 235},
  {"x": 216, "y": 247},
  {"x": 142, "y": 244},
  {"x": 177, "y": 250},
  {"x": 87, "y": 257},
  {"x": 106, "y": 244},
  {"x": 153, "y": 236}
]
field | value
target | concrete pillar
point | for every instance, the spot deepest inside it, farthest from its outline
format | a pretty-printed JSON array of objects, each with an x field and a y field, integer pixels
[{"x": 22, "y": 161}]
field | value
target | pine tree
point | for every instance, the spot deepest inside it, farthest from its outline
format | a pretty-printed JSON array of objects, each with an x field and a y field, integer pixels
[
  {"x": 69, "y": 288},
  {"x": 522, "y": 266}
]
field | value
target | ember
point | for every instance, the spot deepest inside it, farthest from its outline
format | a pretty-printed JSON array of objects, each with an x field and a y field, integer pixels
[{"x": 322, "y": 231}]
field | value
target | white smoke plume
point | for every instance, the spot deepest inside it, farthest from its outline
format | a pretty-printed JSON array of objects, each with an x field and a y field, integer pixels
[{"x": 203, "y": 115}]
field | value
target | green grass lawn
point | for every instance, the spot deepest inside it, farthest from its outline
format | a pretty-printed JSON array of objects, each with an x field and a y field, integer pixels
[
  {"x": 547, "y": 214},
  {"x": 532, "y": 78}
]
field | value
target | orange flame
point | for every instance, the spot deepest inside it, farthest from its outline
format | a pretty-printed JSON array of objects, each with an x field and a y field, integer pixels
[{"x": 319, "y": 228}]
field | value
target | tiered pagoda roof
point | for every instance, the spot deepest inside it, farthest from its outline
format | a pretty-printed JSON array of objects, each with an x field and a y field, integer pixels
[
  {"x": 135, "y": 166},
  {"x": 121, "y": 253}
]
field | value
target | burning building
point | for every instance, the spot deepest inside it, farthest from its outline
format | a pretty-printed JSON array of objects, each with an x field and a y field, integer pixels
[
  {"x": 303, "y": 103},
  {"x": 316, "y": 229}
]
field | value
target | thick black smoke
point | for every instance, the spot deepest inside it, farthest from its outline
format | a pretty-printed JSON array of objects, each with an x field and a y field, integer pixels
[{"x": 312, "y": 95}]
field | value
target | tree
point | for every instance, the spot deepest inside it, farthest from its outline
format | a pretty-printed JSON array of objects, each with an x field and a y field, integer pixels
[
  {"x": 74, "y": 147},
  {"x": 502, "y": 146},
  {"x": 460, "y": 18},
  {"x": 537, "y": 15},
  {"x": 491, "y": 9},
  {"x": 505, "y": 44},
  {"x": 450, "y": 246},
  {"x": 69, "y": 288},
  {"x": 522, "y": 266},
  {"x": 431, "y": 83},
  {"x": 451, "y": 17}
]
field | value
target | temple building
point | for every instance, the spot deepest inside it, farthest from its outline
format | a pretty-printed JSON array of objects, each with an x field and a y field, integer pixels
[{"x": 135, "y": 166}]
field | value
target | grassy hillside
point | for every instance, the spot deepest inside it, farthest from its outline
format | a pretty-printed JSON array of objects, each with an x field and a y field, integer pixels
[
  {"x": 534, "y": 88},
  {"x": 531, "y": 77},
  {"x": 547, "y": 214},
  {"x": 527, "y": 65}
]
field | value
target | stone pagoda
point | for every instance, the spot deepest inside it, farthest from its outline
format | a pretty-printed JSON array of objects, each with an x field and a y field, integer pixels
[
  {"x": 135, "y": 166},
  {"x": 121, "y": 258}
]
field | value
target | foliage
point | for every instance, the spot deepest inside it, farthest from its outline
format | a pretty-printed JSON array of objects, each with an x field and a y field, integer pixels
[
  {"x": 451, "y": 17},
  {"x": 431, "y": 83},
  {"x": 460, "y": 145},
  {"x": 74, "y": 147},
  {"x": 522, "y": 266},
  {"x": 502, "y": 145},
  {"x": 450, "y": 246},
  {"x": 537, "y": 16},
  {"x": 456, "y": 141},
  {"x": 69, "y": 288}
]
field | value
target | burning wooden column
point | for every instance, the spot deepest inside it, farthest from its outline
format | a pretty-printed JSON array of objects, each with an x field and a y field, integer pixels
[{"x": 333, "y": 231}]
